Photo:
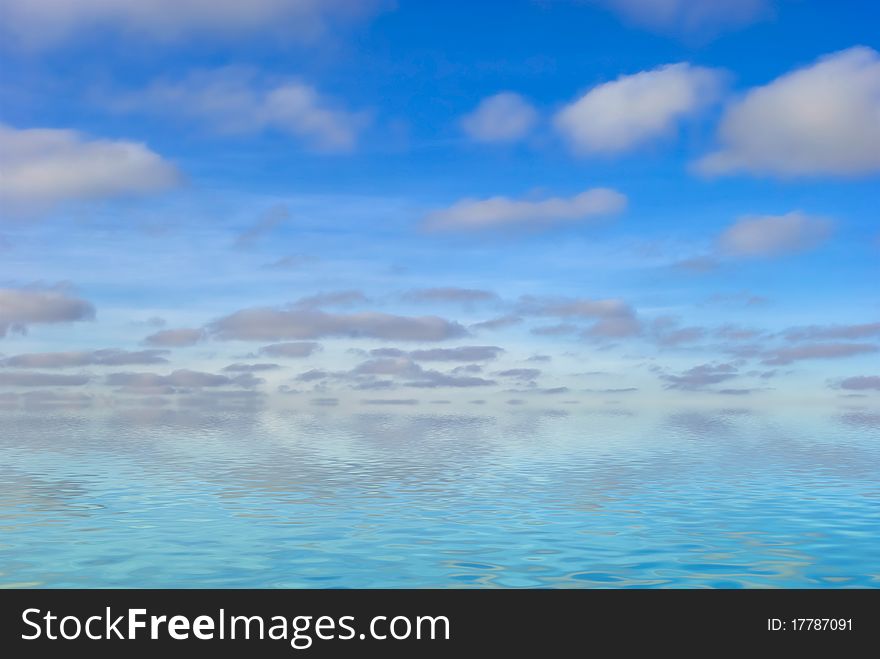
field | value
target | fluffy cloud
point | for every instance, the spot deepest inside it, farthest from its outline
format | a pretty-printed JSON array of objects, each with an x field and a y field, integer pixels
[
  {"x": 22, "y": 307},
  {"x": 784, "y": 356},
  {"x": 861, "y": 383},
  {"x": 235, "y": 100},
  {"x": 175, "y": 338},
  {"x": 42, "y": 167},
  {"x": 774, "y": 235},
  {"x": 504, "y": 117},
  {"x": 688, "y": 17},
  {"x": 36, "y": 23},
  {"x": 107, "y": 357},
  {"x": 266, "y": 324},
  {"x": 503, "y": 212},
  {"x": 822, "y": 119},
  {"x": 623, "y": 114}
]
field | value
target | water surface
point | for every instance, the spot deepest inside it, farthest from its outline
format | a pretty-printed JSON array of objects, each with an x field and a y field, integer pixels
[{"x": 726, "y": 498}]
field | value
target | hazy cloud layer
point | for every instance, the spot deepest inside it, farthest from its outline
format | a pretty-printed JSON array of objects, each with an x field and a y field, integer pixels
[
  {"x": 688, "y": 17},
  {"x": 40, "y": 23},
  {"x": 501, "y": 212},
  {"x": 239, "y": 101},
  {"x": 774, "y": 235},
  {"x": 821, "y": 119},
  {"x": 271, "y": 219},
  {"x": 634, "y": 109},
  {"x": 504, "y": 117}
]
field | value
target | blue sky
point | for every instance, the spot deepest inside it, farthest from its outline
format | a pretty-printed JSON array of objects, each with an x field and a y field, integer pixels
[{"x": 647, "y": 200}]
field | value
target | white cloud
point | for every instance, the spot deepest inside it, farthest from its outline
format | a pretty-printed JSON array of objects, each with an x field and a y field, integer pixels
[
  {"x": 821, "y": 119},
  {"x": 37, "y": 23},
  {"x": 504, "y": 117},
  {"x": 634, "y": 109},
  {"x": 689, "y": 16},
  {"x": 239, "y": 100},
  {"x": 41, "y": 167},
  {"x": 501, "y": 212},
  {"x": 774, "y": 235}
]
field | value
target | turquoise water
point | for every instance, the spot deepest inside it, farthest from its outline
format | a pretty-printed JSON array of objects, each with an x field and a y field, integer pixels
[{"x": 726, "y": 498}]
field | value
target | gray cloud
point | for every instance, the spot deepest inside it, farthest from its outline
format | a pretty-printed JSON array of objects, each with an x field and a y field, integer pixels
[
  {"x": 335, "y": 298},
  {"x": 266, "y": 324},
  {"x": 176, "y": 338},
  {"x": 554, "y": 330},
  {"x": 613, "y": 318},
  {"x": 250, "y": 368},
  {"x": 826, "y": 332},
  {"x": 497, "y": 323},
  {"x": 861, "y": 383},
  {"x": 450, "y": 294},
  {"x": 32, "y": 379},
  {"x": 520, "y": 373},
  {"x": 435, "y": 379},
  {"x": 22, "y": 307},
  {"x": 292, "y": 350},
  {"x": 107, "y": 357},
  {"x": 667, "y": 333},
  {"x": 701, "y": 376},
  {"x": 390, "y": 401},
  {"x": 180, "y": 378},
  {"x": 459, "y": 354},
  {"x": 784, "y": 356}
]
